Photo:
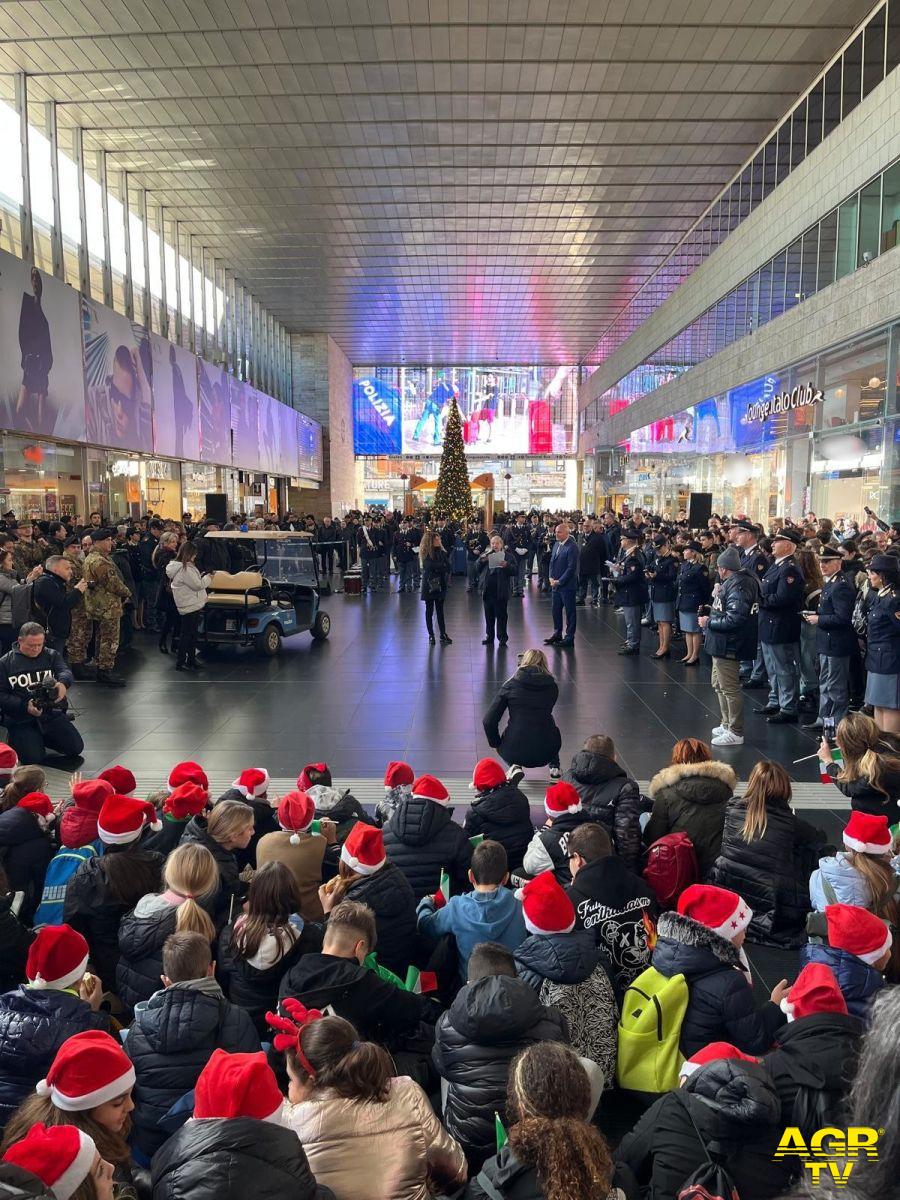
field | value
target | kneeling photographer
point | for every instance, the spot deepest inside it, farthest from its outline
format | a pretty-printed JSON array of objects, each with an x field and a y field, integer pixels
[{"x": 34, "y": 681}]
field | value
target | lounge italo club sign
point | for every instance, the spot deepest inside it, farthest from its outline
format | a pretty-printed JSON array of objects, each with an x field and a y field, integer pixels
[{"x": 802, "y": 396}]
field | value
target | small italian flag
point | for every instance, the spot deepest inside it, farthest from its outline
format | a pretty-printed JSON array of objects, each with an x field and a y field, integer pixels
[
  {"x": 837, "y": 758},
  {"x": 476, "y": 840},
  {"x": 444, "y": 885},
  {"x": 316, "y": 827},
  {"x": 500, "y": 1133},
  {"x": 388, "y": 976},
  {"x": 420, "y": 983}
]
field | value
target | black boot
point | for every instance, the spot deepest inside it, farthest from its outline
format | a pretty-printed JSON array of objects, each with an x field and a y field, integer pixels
[
  {"x": 83, "y": 671},
  {"x": 163, "y": 645},
  {"x": 110, "y": 679}
]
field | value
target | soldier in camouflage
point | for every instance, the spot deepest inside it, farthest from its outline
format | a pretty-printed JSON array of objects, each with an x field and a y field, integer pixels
[
  {"x": 82, "y": 627},
  {"x": 27, "y": 552},
  {"x": 103, "y": 601}
]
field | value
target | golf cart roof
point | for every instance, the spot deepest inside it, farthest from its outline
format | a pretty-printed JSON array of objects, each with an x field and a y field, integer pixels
[{"x": 258, "y": 534}]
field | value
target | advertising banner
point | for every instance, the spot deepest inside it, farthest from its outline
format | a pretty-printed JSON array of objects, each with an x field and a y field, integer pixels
[
  {"x": 176, "y": 413},
  {"x": 41, "y": 376},
  {"x": 245, "y": 426},
  {"x": 288, "y": 450},
  {"x": 376, "y": 416},
  {"x": 311, "y": 465},
  {"x": 215, "y": 415},
  {"x": 118, "y": 379}
]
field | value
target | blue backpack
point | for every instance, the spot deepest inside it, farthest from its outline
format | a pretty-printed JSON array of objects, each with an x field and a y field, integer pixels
[{"x": 63, "y": 865}]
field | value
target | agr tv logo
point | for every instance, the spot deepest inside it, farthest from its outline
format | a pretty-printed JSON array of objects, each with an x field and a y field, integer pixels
[{"x": 831, "y": 1152}]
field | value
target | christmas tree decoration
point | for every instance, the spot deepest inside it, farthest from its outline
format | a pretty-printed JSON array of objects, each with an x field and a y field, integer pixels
[{"x": 453, "y": 498}]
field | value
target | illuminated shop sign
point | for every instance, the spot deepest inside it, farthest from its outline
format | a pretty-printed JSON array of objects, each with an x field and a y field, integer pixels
[{"x": 803, "y": 395}]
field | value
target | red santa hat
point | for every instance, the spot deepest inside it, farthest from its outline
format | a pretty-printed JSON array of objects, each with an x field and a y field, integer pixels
[
  {"x": 363, "y": 851},
  {"x": 9, "y": 760},
  {"x": 57, "y": 957},
  {"x": 398, "y": 774},
  {"x": 252, "y": 783},
  {"x": 90, "y": 793},
  {"x": 426, "y": 787},
  {"x": 185, "y": 801},
  {"x": 122, "y": 780},
  {"x": 720, "y": 910},
  {"x": 304, "y": 783},
  {"x": 296, "y": 812},
  {"x": 561, "y": 798},
  {"x": 187, "y": 772},
  {"x": 38, "y": 803},
  {"x": 89, "y": 1069},
  {"x": 867, "y": 834},
  {"x": 487, "y": 774},
  {"x": 712, "y": 1052},
  {"x": 815, "y": 990},
  {"x": 857, "y": 931},
  {"x": 237, "y": 1085},
  {"x": 545, "y": 906},
  {"x": 61, "y": 1156},
  {"x": 122, "y": 820}
]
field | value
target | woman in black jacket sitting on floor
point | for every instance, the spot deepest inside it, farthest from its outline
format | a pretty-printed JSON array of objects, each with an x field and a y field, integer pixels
[{"x": 767, "y": 856}]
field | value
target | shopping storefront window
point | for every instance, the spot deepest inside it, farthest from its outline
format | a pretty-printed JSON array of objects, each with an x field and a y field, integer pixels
[
  {"x": 854, "y": 383},
  {"x": 41, "y": 480}
]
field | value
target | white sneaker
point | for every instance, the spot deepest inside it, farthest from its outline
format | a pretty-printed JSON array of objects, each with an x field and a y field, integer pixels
[
  {"x": 718, "y": 729},
  {"x": 515, "y": 774},
  {"x": 555, "y": 773},
  {"x": 727, "y": 738}
]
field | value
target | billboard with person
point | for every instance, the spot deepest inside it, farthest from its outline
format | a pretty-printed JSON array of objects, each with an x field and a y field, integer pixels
[
  {"x": 215, "y": 415},
  {"x": 118, "y": 379},
  {"x": 176, "y": 415},
  {"x": 41, "y": 378}
]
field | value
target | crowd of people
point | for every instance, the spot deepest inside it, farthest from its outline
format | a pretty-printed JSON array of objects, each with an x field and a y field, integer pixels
[{"x": 302, "y": 998}]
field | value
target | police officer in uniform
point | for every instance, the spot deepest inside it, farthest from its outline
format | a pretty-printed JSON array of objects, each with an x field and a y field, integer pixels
[
  {"x": 745, "y": 536},
  {"x": 33, "y": 729},
  {"x": 103, "y": 603},
  {"x": 518, "y": 540},
  {"x": 835, "y": 639},
  {"x": 631, "y": 588},
  {"x": 781, "y": 602},
  {"x": 477, "y": 541}
]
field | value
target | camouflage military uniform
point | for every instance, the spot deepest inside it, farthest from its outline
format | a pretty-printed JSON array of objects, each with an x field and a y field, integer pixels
[
  {"x": 27, "y": 555},
  {"x": 103, "y": 609},
  {"x": 82, "y": 627}
]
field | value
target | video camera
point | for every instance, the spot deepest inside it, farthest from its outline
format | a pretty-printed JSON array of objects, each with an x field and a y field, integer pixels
[{"x": 44, "y": 697}]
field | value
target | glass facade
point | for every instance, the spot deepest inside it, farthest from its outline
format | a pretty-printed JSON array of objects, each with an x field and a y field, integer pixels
[
  {"x": 844, "y": 240},
  {"x": 869, "y": 56}
]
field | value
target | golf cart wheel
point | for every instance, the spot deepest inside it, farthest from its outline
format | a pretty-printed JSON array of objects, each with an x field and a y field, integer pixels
[
  {"x": 321, "y": 626},
  {"x": 268, "y": 643}
]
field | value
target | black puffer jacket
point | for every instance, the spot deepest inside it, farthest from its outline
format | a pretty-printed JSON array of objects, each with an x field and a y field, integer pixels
[
  {"x": 814, "y": 1059},
  {"x": 390, "y": 896},
  {"x": 421, "y": 838},
  {"x": 170, "y": 1042},
  {"x": 691, "y": 798},
  {"x": 92, "y": 909},
  {"x": 771, "y": 873},
  {"x": 226, "y": 903},
  {"x": 339, "y": 806},
  {"x": 34, "y": 1023},
  {"x": 18, "y": 1184},
  {"x": 254, "y": 988},
  {"x": 720, "y": 1007},
  {"x": 502, "y": 814},
  {"x": 477, "y": 1038},
  {"x": 736, "y": 1109},
  {"x": 14, "y": 942},
  {"x": 610, "y": 796},
  {"x": 865, "y": 798},
  {"x": 560, "y": 957},
  {"x": 234, "y": 1159},
  {"x": 26, "y": 849},
  {"x": 141, "y": 942},
  {"x": 531, "y": 737}
]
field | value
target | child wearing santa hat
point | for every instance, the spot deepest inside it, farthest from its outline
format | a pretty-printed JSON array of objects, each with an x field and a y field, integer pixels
[
  {"x": 863, "y": 873},
  {"x": 366, "y": 875},
  {"x": 236, "y": 1146},
  {"x": 857, "y": 949},
  {"x": 176, "y": 809},
  {"x": 548, "y": 849},
  {"x": 423, "y": 839},
  {"x": 59, "y": 998},
  {"x": 88, "y": 1085},
  {"x": 252, "y": 787},
  {"x": 500, "y": 811},
  {"x": 703, "y": 941},
  {"x": 106, "y": 887},
  {"x": 63, "y": 1158},
  {"x": 301, "y": 850},
  {"x": 398, "y": 781},
  {"x": 332, "y": 803},
  {"x": 79, "y": 841},
  {"x": 27, "y": 848},
  {"x": 815, "y": 1054}
]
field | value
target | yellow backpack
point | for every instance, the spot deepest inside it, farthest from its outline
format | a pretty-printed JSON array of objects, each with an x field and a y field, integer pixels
[{"x": 653, "y": 1009}]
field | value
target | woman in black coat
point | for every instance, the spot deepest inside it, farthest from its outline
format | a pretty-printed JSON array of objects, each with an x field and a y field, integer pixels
[
  {"x": 883, "y": 643},
  {"x": 767, "y": 856},
  {"x": 435, "y": 574},
  {"x": 531, "y": 737},
  {"x": 693, "y": 588},
  {"x": 662, "y": 574},
  {"x": 164, "y": 553}
]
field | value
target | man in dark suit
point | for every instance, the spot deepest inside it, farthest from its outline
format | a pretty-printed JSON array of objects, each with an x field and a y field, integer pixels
[{"x": 564, "y": 586}]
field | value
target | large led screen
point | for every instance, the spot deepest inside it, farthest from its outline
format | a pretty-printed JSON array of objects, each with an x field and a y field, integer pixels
[
  {"x": 215, "y": 415},
  {"x": 245, "y": 425},
  {"x": 41, "y": 378},
  {"x": 277, "y": 437},
  {"x": 504, "y": 410},
  {"x": 176, "y": 415},
  {"x": 118, "y": 378},
  {"x": 309, "y": 437}
]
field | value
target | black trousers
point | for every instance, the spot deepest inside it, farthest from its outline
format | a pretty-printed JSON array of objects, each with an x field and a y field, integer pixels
[
  {"x": 187, "y": 638},
  {"x": 496, "y": 610},
  {"x": 434, "y": 605},
  {"x": 31, "y": 739}
]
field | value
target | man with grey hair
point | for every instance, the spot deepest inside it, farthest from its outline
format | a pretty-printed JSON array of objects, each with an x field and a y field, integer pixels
[
  {"x": 495, "y": 569},
  {"x": 53, "y": 600},
  {"x": 563, "y": 586}
]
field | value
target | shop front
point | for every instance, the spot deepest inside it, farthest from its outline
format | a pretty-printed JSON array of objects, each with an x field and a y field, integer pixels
[
  {"x": 41, "y": 479},
  {"x": 820, "y": 435}
]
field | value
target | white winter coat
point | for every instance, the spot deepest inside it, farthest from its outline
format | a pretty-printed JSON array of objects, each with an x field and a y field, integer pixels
[{"x": 188, "y": 586}]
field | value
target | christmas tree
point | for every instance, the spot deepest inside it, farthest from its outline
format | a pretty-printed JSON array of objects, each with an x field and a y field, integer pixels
[{"x": 453, "y": 498}]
